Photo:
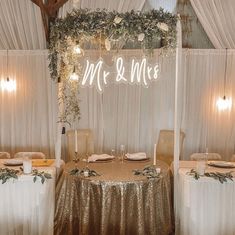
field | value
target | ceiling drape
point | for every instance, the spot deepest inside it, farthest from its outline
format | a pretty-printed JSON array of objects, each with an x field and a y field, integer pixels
[
  {"x": 217, "y": 19},
  {"x": 21, "y": 25},
  {"x": 28, "y": 115}
]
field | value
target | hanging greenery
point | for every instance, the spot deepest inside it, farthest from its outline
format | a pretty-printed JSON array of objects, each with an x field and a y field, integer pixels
[{"x": 106, "y": 30}]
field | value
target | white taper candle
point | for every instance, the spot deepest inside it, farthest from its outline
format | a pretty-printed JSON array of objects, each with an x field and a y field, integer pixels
[
  {"x": 154, "y": 155},
  {"x": 76, "y": 141}
]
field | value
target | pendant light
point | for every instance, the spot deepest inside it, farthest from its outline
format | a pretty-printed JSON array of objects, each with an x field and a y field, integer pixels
[
  {"x": 8, "y": 84},
  {"x": 224, "y": 103}
]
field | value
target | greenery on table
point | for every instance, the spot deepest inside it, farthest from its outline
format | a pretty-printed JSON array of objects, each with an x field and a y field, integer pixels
[
  {"x": 40, "y": 174},
  {"x": 104, "y": 30},
  {"x": 222, "y": 177},
  {"x": 80, "y": 172},
  {"x": 6, "y": 174},
  {"x": 149, "y": 171}
]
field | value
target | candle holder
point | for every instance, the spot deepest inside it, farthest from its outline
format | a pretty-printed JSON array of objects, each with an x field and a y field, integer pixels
[{"x": 76, "y": 158}]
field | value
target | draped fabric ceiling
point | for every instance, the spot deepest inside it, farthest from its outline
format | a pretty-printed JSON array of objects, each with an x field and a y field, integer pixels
[{"x": 28, "y": 117}]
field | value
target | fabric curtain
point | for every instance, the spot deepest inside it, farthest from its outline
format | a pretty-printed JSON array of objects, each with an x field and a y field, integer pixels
[
  {"x": 204, "y": 124},
  {"x": 27, "y": 115},
  {"x": 110, "y": 5},
  {"x": 217, "y": 19},
  {"x": 21, "y": 25},
  {"x": 169, "y": 5},
  {"x": 123, "y": 114}
]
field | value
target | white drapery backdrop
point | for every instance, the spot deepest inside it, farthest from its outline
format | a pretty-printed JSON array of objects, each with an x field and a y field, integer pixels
[
  {"x": 123, "y": 114},
  {"x": 217, "y": 19},
  {"x": 27, "y": 115},
  {"x": 21, "y": 25}
]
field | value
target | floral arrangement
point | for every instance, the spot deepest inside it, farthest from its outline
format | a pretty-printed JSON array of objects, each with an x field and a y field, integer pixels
[{"x": 104, "y": 30}]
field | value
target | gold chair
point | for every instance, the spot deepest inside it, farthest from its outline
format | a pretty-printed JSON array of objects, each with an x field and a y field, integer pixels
[
  {"x": 32, "y": 155},
  {"x": 85, "y": 143},
  {"x": 165, "y": 145},
  {"x": 209, "y": 156},
  {"x": 4, "y": 155}
]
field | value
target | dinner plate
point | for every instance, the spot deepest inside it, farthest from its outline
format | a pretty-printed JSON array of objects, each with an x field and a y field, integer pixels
[
  {"x": 13, "y": 162},
  {"x": 137, "y": 160},
  {"x": 221, "y": 164}
]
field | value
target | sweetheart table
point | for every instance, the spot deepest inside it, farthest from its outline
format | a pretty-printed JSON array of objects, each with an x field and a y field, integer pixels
[
  {"x": 27, "y": 208},
  {"x": 206, "y": 205},
  {"x": 116, "y": 202}
]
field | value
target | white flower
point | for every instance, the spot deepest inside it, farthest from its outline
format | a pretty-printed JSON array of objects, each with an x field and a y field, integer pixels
[
  {"x": 141, "y": 37},
  {"x": 117, "y": 19},
  {"x": 107, "y": 44},
  {"x": 163, "y": 26}
]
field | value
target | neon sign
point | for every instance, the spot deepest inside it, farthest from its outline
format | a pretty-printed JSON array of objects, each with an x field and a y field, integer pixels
[{"x": 132, "y": 72}]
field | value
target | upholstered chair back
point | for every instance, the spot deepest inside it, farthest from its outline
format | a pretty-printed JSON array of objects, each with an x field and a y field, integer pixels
[
  {"x": 4, "y": 155},
  {"x": 32, "y": 155},
  {"x": 209, "y": 156}
]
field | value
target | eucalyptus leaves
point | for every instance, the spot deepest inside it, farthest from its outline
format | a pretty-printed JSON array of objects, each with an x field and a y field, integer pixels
[
  {"x": 7, "y": 174},
  {"x": 101, "y": 30},
  {"x": 222, "y": 177},
  {"x": 149, "y": 171},
  {"x": 83, "y": 172}
]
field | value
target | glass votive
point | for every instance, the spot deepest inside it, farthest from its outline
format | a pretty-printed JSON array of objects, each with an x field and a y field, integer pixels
[
  {"x": 86, "y": 173},
  {"x": 158, "y": 170},
  {"x": 201, "y": 165},
  {"x": 27, "y": 165}
]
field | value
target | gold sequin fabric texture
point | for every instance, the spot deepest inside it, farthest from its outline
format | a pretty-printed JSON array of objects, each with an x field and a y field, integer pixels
[{"x": 117, "y": 202}]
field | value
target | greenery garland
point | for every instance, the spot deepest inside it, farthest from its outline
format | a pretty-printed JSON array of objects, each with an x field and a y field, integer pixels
[
  {"x": 101, "y": 28},
  {"x": 7, "y": 174},
  {"x": 222, "y": 177}
]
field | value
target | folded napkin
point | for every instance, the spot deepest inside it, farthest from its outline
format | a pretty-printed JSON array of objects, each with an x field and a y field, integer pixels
[
  {"x": 136, "y": 156},
  {"x": 95, "y": 157}
]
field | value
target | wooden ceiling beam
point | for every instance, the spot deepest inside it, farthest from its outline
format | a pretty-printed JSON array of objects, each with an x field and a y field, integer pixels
[{"x": 49, "y": 12}]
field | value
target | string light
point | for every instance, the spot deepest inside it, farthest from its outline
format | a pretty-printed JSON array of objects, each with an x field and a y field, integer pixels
[
  {"x": 8, "y": 84},
  {"x": 74, "y": 75},
  {"x": 77, "y": 49},
  {"x": 225, "y": 102}
]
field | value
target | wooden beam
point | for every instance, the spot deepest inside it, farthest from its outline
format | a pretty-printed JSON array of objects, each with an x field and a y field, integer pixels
[{"x": 49, "y": 12}]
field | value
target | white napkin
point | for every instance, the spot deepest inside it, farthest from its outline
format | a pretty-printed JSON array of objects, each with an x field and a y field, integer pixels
[
  {"x": 136, "y": 156},
  {"x": 95, "y": 157}
]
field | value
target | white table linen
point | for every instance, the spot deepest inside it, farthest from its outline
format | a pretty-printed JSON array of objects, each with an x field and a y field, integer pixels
[
  {"x": 207, "y": 207},
  {"x": 27, "y": 208}
]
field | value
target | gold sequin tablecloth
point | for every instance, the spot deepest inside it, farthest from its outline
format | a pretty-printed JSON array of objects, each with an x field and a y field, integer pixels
[{"x": 117, "y": 202}]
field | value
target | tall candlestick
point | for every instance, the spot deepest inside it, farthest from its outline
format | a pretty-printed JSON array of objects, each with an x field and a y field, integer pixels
[
  {"x": 154, "y": 155},
  {"x": 76, "y": 141}
]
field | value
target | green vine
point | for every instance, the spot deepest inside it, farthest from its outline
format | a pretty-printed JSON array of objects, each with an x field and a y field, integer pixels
[
  {"x": 222, "y": 177},
  {"x": 40, "y": 174},
  {"x": 6, "y": 174},
  {"x": 101, "y": 30},
  {"x": 80, "y": 172},
  {"x": 149, "y": 171}
]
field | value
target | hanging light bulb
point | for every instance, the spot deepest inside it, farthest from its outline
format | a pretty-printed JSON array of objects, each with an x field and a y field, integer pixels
[
  {"x": 74, "y": 76},
  {"x": 77, "y": 49},
  {"x": 8, "y": 84},
  {"x": 224, "y": 103}
]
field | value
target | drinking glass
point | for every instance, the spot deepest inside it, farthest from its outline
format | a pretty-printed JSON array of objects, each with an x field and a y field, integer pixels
[
  {"x": 201, "y": 165},
  {"x": 122, "y": 151}
]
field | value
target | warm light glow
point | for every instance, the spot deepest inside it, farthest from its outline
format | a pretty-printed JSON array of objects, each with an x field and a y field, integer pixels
[
  {"x": 8, "y": 85},
  {"x": 74, "y": 76},
  {"x": 224, "y": 103},
  {"x": 77, "y": 49}
]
